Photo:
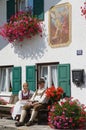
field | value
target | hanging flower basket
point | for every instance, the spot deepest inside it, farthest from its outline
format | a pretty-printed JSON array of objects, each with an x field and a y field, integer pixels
[{"x": 22, "y": 25}]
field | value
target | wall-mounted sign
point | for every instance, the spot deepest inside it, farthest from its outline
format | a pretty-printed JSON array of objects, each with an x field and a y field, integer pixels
[{"x": 79, "y": 52}]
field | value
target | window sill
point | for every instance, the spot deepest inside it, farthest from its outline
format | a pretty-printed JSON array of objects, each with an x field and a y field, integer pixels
[{"x": 5, "y": 94}]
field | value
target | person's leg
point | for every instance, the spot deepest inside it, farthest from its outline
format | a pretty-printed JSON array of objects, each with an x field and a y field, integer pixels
[
  {"x": 17, "y": 118},
  {"x": 23, "y": 115},
  {"x": 34, "y": 113}
]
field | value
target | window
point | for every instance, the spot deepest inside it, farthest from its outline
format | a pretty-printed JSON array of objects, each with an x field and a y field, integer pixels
[
  {"x": 36, "y": 5},
  {"x": 22, "y": 5},
  {"x": 14, "y": 6},
  {"x": 54, "y": 74},
  {"x": 6, "y": 79},
  {"x": 49, "y": 73}
]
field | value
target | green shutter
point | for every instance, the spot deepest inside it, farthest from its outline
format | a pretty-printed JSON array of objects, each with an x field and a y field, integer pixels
[
  {"x": 64, "y": 78},
  {"x": 38, "y": 9},
  {"x": 10, "y": 9},
  {"x": 16, "y": 80},
  {"x": 31, "y": 77}
]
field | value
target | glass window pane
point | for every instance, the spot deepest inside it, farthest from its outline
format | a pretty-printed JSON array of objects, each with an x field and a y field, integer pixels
[
  {"x": 30, "y": 3},
  {"x": 44, "y": 74},
  {"x": 44, "y": 71}
]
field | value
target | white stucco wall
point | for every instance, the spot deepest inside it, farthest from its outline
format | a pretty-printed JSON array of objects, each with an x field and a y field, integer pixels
[{"x": 38, "y": 50}]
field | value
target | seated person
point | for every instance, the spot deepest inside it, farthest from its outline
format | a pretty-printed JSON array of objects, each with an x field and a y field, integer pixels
[
  {"x": 38, "y": 101},
  {"x": 24, "y": 95}
]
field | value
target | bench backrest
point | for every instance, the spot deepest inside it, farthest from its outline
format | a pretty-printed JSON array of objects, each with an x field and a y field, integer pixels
[{"x": 13, "y": 99}]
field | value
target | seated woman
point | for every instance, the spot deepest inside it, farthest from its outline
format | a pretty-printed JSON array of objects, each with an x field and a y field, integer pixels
[{"x": 24, "y": 95}]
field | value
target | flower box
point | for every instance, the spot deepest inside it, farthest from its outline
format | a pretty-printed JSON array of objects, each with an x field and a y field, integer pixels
[{"x": 21, "y": 25}]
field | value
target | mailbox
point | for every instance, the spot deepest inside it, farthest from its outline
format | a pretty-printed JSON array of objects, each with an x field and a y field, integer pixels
[{"x": 78, "y": 77}]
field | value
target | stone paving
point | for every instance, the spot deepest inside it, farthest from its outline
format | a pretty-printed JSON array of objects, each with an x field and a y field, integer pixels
[{"x": 6, "y": 124}]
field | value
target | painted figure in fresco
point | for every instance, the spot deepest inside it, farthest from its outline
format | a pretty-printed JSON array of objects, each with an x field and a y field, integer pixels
[{"x": 59, "y": 25}]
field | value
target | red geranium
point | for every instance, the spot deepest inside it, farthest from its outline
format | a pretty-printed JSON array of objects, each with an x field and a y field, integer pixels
[
  {"x": 54, "y": 94},
  {"x": 22, "y": 25},
  {"x": 83, "y": 10}
]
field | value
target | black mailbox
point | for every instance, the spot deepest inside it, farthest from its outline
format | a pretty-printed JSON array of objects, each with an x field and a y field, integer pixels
[{"x": 78, "y": 77}]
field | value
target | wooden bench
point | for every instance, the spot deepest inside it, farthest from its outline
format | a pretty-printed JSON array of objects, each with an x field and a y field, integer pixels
[
  {"x": 43, "y": 116},
  {"x": 5, "y": 110}
]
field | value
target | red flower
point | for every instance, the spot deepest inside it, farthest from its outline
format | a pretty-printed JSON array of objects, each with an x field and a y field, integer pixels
[
  {"x": 54, "y": 93},
  {"x": 63, "y": 115},
  {"x": 21, "y": 25},
  {"x": 49, "y": 107},
  {"x": 83, "y": 10}
]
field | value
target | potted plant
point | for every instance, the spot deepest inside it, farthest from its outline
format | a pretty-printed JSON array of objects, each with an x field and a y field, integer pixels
[
  {"x": 54, "y": 94},
  {"x": 21, "y": 25},
  {"x": 67, "y": 114}
]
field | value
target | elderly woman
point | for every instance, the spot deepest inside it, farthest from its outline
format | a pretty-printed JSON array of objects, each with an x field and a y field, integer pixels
[{"x": 24, "y": 95}]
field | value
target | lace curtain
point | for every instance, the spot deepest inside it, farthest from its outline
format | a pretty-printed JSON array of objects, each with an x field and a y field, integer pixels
[{"x": 5, "y": 79}]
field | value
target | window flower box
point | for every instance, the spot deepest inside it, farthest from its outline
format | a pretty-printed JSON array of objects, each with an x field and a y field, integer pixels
[{"x": 21, "y": 25}]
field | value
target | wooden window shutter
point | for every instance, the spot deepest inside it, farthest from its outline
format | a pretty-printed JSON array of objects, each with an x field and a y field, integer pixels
[
  {"x": 31, "y": 77},
  {"x": 64, "y": 78},
  {"x": 16, "y": 80},
  {"x": 10, "y": 9},
  {"x": 38, "y": 9}
]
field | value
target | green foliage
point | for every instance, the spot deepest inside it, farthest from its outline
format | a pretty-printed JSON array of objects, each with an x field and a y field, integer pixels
[{"x": 67, "y": 114}]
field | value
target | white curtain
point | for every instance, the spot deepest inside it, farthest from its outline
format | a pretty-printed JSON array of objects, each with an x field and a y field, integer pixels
[
  {"x": 44, "y": 74},
  {"x": 5, "y": 79},
  {"x": 49, "y": 77},
  {"x": 54, "y": 76},
  {"x": 7, "y": 83},
  {"x": 2, "y": 79},
  {"x": 22, "y": 5}
]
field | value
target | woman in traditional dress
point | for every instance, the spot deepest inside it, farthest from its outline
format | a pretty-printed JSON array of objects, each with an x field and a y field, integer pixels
[{"x": 23, "y": 96}]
